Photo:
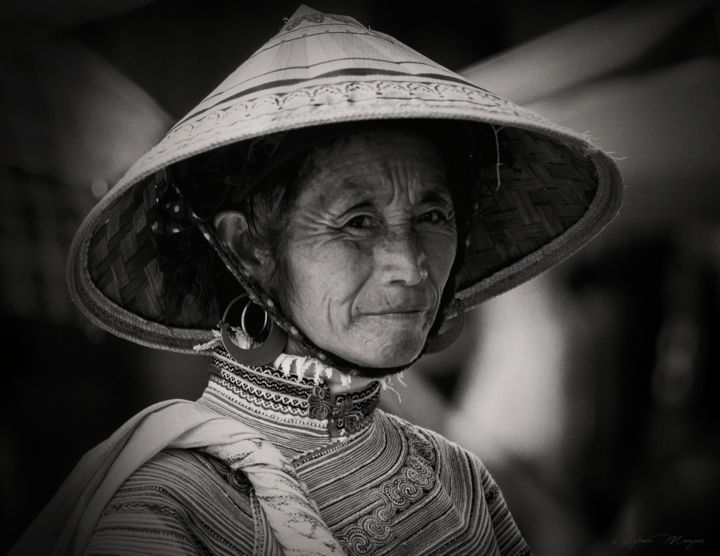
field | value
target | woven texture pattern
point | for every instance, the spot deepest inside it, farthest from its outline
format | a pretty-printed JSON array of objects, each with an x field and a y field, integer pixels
[
  {"x": 123, "y": 255},
  {"x": 543, "y": 190}
]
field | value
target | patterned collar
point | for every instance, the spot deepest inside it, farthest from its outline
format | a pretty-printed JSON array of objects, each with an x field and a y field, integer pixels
[{"x": 293, "y": 391}]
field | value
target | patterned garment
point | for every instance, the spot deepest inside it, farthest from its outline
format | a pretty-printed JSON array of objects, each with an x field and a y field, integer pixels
[{"x": 383, "y": 485}]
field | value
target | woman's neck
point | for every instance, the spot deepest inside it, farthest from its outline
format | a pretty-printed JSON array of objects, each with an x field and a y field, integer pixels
[
  {"x": 292, "y": 400},
  {"x": 338, "y": 382}
]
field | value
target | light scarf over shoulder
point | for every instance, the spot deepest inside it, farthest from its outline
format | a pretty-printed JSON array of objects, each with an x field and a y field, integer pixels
[{"x": 67, "y": 522}]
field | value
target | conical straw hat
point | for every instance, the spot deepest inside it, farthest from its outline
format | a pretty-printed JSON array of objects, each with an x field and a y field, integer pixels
[{"x": 552, "y": 195}]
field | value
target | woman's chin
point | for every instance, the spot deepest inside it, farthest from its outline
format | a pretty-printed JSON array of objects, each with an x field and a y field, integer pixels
[
  {"x": 377, "y": 348},
  {"x": 375, "y": 361}
]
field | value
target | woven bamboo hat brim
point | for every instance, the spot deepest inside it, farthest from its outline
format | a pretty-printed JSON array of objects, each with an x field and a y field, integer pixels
[{"x": 552, "y": 196}]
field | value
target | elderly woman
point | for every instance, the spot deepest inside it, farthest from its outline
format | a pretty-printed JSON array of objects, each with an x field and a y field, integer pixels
[{"x": 315, "y": 225}]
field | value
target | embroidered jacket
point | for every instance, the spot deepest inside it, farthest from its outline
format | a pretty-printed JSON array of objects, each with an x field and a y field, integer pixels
[{"x": 382, "y": 485}]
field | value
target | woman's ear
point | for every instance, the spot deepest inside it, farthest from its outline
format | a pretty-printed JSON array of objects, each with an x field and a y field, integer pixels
[{"x": 232, "y": 229}]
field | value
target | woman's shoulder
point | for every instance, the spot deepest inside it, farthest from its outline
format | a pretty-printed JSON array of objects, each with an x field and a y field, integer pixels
[
  {"x": 439, "y": 442},
  {"x": 168, "y": 472},
  {"x": 181, "y": 501},
  {"x": 465, "y": 479},
  {"x": 450, "y": 459}
]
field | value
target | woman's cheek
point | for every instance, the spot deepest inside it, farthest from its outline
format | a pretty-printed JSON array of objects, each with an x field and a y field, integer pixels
[
  {"x": 349, "y": 257},
  {"x": 441, "y": 251}
]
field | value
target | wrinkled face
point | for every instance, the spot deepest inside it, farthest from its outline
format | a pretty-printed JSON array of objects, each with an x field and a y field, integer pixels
[{"x": 369, "y": 248}]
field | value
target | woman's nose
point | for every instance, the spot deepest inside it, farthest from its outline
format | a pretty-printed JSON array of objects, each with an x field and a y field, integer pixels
[{"x": 401, "y": 259}]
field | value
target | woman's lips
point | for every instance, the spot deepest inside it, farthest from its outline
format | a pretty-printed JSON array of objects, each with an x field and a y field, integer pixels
[
  {"x": 399, "y": 312},
  {"x": 409, "y": 304}
]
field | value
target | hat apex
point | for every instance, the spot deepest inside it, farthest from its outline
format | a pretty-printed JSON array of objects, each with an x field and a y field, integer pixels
[{"x": 304, "y": 9}]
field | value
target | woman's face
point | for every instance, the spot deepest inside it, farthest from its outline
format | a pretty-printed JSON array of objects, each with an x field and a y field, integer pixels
[{"x": 369, "y": 247}]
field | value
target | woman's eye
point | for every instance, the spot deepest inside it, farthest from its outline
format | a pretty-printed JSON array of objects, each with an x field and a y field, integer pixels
[
  {"x": 434, "y": 216},
  {"x": 359, "y": 222}
]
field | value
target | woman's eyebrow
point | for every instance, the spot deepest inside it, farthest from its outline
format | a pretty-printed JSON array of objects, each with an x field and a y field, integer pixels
[
  {"x": 350, "y": 199},
  {"x": 437, "y": 195},
  {"x": 352, "y": 193}
]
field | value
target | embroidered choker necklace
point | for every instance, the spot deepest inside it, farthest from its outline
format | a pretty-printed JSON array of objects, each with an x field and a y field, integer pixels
[{"x": 295, "y": 388}]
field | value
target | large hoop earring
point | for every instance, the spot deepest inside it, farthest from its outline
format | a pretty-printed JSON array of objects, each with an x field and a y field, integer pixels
[
  {"x": 445, "y": 339},
  {"x": 264, "y": 353}
]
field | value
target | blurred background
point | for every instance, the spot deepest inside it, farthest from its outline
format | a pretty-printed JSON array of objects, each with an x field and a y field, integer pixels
[{"x": 591, "y": 392}]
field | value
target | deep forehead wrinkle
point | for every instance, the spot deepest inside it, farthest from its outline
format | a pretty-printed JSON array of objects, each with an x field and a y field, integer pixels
[
  {"x": 375, "y": 168},
  {"x": 354, "y": 192},
  {"x": 388, "y": 178}
]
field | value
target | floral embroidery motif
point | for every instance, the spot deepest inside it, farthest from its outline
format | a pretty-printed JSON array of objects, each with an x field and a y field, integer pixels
[
  {"x": 320, "y": 405},
  {"x": 492, "y": 494},
  {"x": 347, "y": 416},
  {"x": 395, "y": 495},
  {"x": 348, "y": 411}
]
